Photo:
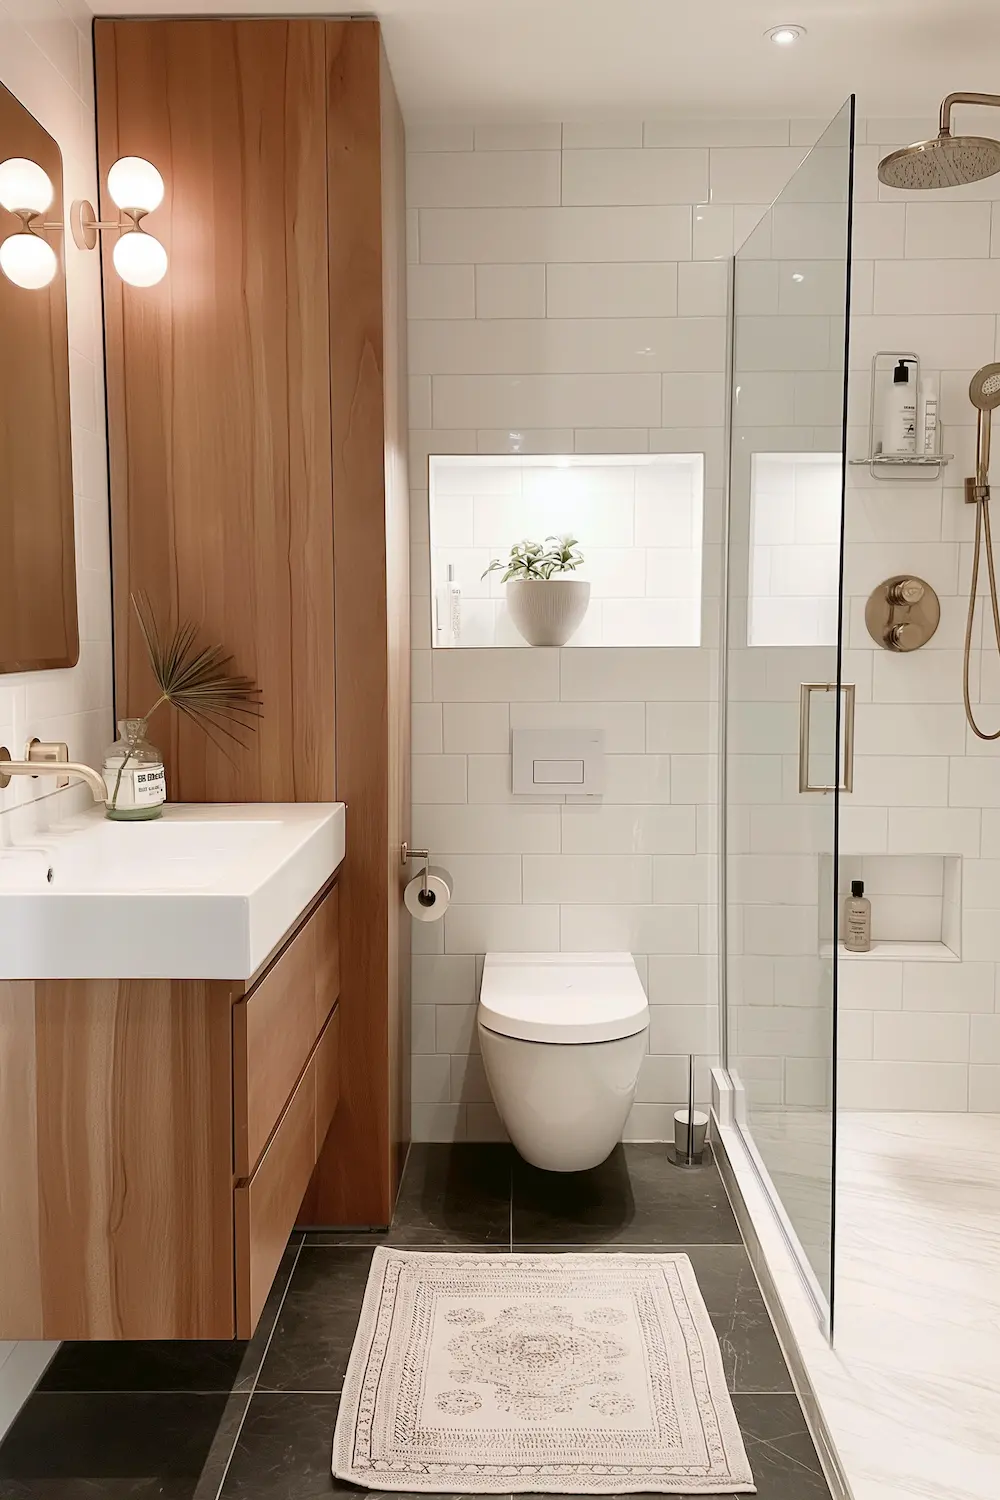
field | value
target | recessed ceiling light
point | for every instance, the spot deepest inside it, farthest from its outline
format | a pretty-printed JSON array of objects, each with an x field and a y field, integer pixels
[{"x": 785, "y": 36}]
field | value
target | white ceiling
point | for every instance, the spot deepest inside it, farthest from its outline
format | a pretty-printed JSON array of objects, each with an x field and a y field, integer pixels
[{"x": 570, "y": 59}]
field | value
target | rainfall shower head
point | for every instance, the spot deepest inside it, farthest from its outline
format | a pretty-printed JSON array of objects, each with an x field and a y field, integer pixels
[{"x": 948, "y": 160}]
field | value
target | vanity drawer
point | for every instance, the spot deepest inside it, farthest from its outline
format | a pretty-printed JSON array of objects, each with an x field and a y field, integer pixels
[
  {"x": 265, "y": 1208},
  {"x": 276, "y": 1026}
]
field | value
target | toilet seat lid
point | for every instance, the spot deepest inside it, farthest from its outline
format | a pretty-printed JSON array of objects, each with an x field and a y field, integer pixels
[{"x": 562, "y": 997}]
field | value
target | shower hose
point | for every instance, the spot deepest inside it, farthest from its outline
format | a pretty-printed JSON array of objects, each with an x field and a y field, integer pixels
[{"x": 982, "y": 530}]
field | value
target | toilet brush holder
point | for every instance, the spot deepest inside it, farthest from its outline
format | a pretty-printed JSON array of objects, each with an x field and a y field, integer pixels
[
  {"x": 689, "y": 1139},
  {"x": 690, "y": 1129}
]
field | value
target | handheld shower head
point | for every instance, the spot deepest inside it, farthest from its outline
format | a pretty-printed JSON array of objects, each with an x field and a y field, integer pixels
[
  {"x": 984, "y": 388},
  {"x": 984, "y": 393},
  {"x": 948, "y": 160}
]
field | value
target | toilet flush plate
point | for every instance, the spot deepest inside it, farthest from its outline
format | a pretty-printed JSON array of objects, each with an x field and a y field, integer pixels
[{"x": 551, "y": 762}]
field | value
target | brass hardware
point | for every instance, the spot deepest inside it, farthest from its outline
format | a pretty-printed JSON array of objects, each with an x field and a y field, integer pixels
[
  {"x": 51, "y": 758},
  {"x": 902, "y": 613},
  {"x": 906, "y": 591},
  {"x": 806, "y": 691},
  {"x": 85, "y": 225},
  {"x": 406, "y": 853},
  {"x": 48, "y": 753}
]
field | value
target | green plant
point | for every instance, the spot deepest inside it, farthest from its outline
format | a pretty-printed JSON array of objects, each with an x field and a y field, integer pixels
[
  {"x": 197, "y": 680},
  {"x": 539, "y": 560}
]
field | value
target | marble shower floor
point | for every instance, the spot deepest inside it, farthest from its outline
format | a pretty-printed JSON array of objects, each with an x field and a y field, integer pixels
[
  {"x": 255, "y": 1422},
  {"x": 912, "y": 1390}
]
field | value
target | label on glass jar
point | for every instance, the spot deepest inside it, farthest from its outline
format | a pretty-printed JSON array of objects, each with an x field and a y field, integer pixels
[{"x": 141, "y": 786}]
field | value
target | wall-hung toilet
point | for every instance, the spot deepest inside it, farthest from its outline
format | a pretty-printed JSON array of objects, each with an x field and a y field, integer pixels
[{"x": 562, "y": 1037}]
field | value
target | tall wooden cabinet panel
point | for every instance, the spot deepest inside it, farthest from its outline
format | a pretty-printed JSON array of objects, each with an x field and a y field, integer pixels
[
  {"x": 257, "y": 429},
  {"x": 371, "y": 511},
  {"x": 219, "y": 385}
]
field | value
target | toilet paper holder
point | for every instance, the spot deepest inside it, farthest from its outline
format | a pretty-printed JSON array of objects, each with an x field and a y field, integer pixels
[{"x": 406, "y": 854}]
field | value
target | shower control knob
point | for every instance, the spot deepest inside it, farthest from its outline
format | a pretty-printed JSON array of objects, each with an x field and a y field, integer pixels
[
  {"x": 906, "y": 591},
  {"x": 897, "y": 637},
  {"x": 902, "y": 613}
]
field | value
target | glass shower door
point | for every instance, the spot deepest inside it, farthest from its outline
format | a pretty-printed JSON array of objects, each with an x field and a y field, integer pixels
[{"x": 788, "y": 715}]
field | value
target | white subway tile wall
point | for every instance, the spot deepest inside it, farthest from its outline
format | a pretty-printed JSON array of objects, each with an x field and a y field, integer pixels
[
  {"x": 570, "y": 296},
  {"x": 795, "y": 503},
  {"x": 46, "y": 61}
]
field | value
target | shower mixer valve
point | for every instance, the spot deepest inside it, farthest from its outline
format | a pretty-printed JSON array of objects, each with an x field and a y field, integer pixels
[{"x": 902, "y": 613}]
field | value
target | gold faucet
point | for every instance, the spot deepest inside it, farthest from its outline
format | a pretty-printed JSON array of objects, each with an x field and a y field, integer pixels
[{"x": 51, "y": 758}]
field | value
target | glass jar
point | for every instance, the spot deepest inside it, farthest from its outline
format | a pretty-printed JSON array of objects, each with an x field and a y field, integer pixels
[{"x": 134, "y": 775}]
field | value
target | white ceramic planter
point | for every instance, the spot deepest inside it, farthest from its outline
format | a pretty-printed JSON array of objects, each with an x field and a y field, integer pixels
[{"x": 547, "y": 611}]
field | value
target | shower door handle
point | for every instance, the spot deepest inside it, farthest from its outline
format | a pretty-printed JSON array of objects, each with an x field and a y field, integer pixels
[{"x": 806, "y": 691}]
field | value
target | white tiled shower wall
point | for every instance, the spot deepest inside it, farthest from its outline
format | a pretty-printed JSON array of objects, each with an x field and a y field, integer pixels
[
  {"x": 924, "y": 1035},
  {"x": 568, "y": 294},
  {"x": 46, "y": 61}
]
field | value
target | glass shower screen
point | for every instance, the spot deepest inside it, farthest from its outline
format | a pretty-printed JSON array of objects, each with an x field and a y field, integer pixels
[{"x": 788, "y": 714}]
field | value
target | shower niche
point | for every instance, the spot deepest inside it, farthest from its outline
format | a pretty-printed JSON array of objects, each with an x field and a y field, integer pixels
[
  {"x": 635, "y": 522},
  {"x": 916, "y": 906}
]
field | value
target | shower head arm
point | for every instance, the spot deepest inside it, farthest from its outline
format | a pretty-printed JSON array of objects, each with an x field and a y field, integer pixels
[{"x": 948, "y": 104}]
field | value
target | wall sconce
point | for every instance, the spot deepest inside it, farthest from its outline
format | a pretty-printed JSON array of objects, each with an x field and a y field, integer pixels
[
  {"x": 136, "y": 188},
  {"x": 26, "y": 191}
]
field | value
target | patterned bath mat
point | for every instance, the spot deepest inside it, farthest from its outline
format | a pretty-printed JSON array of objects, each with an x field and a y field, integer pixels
[{"x": 494, "y": 1374}]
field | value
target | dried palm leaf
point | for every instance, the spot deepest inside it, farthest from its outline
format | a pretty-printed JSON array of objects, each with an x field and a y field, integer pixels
[{"x": 198, "y": 682}]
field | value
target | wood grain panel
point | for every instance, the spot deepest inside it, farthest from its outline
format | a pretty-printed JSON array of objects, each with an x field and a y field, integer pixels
[
  {"x": 116, "y": 1160},
  {"x": 21, "y": 1307},
  {"x": 266, "y": 371},
  {"x": 265, "y": 1207},
  {"x": 357, "y": 1176},
  {"x": 397, "y": 531},
  {"x": 276, "y": 1026},
  {"x": 219, "y": 385},
  {"x": 38, "y": 618}
]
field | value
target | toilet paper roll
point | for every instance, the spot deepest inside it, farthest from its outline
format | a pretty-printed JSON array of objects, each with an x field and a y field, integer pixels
[{"x": 429, "y": 907}]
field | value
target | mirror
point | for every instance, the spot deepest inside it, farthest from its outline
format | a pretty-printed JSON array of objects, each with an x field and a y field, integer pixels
[{"x": 38, "y": 618}]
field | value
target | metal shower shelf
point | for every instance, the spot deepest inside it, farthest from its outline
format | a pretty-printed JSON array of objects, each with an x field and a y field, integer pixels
[
  {"x": 874, "y": 461},
  {"x": 907, "y": 461}
]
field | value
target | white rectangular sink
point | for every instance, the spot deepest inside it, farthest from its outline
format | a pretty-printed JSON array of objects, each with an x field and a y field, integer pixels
[{"x": 204, "y": 892}]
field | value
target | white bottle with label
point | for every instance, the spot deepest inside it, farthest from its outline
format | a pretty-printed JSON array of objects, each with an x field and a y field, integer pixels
[
  {"x": 448, "y": 611},
  {"x": 899, "y": 412},
  {"x": 857, "y": 933},
  {"x": 928, "y": 428}
]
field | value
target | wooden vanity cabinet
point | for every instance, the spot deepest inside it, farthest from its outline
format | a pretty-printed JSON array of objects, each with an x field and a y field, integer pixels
[{"x": 156, "y": 1140}]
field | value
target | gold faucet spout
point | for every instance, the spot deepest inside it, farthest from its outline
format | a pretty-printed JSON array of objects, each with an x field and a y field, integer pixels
[{"x": 52, "y": 760}]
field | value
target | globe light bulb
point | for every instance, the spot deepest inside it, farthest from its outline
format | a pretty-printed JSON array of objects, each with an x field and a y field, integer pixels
[
  {"x": 140, "y": 259},
  {"x": 28, "y": 261},
  {"x": 134, "y": 183},
  {"x": 24, "y": 187}
]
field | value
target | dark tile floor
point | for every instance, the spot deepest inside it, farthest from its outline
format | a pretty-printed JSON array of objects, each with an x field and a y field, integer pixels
[{"x": 255, "y": 1421}]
